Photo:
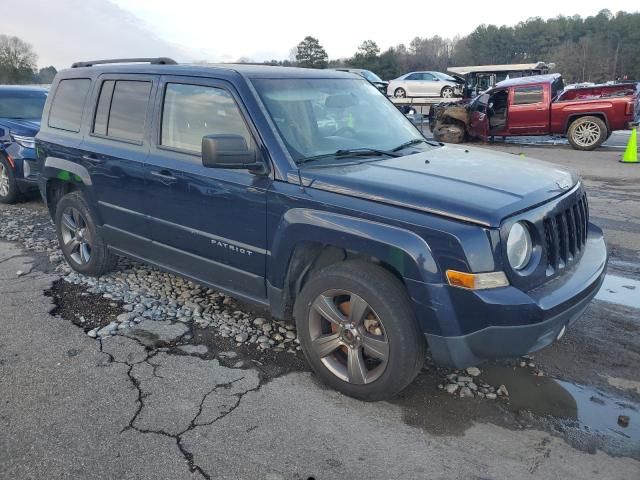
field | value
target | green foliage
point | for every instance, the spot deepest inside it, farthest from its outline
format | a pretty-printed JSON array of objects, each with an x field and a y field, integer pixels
[
  {"x": 45, "y": 75},
  {"x": 17, "y": 61},
  {"x": 311, "y": 54},
  {"x": 597, "y": 48}
]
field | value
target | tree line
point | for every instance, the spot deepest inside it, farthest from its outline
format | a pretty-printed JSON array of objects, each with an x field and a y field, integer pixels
[
  {"x": 18, "y": 63},
  {"x": 592, "y": 49}
]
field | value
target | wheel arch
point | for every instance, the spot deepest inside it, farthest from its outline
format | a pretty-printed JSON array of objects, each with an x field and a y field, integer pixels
[
  {"x": 309, "y": 240},
  {"x": 575, "y": 116},
  {"x": 60, "y": 177}
]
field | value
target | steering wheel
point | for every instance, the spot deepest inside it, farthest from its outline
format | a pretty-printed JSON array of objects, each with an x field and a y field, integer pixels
[{"x": 351, "y": 131}]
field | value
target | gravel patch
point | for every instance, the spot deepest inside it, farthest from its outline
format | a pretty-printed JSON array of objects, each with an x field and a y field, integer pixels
[{"x": 140, "y": 293}]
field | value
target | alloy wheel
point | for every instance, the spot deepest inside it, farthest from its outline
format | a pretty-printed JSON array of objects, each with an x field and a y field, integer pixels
[
  {"x": 76, "y": 238},
  {"x": 586, "y": 134},
  {"x": 400, "y": 93},
  {"x": 447, "y": 92},
  {"x": 348, "y": 337},
  {"x": 4, "y": 181}
]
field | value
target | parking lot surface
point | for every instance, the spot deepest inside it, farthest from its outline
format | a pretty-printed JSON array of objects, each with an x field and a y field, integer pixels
[{"x": 140, "y": 374}]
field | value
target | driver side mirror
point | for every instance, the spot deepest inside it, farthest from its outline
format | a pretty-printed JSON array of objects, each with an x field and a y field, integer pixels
[{"x": 228, "y": 151}]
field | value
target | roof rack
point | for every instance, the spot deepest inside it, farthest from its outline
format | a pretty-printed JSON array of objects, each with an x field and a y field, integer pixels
[{"x": 153, "y": 61}]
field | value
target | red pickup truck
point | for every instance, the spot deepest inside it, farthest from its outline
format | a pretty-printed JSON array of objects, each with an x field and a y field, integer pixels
[{"x": 539, "y": 105}]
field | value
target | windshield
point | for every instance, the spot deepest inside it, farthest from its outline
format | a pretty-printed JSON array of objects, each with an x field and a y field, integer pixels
[
  {"x": 444, "y": 76},
  {"x": 323, "y": 116},
  {"x": 23, "y": 104},
  {"x": 372, "y": 77}
]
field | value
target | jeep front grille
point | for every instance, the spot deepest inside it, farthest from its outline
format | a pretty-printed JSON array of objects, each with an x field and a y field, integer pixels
[{"x": 565, "y": 234}]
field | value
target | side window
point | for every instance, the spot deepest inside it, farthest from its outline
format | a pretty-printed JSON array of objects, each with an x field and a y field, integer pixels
[
  {"x": 68, "y": 102},
  {"x": 104, "y": 104},
  {"x": 428, "y": 76},
  {"x": 414, "y": 76},
  {"x": 526, "y": 95},
  {"x": 192, "y": 111},
  {"x": 122, "y": 109}
]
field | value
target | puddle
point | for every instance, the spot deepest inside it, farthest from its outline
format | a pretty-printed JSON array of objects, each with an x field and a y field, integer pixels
[
  {"x": 587, "y": 417},
  {"x": 620, "y": 290}
]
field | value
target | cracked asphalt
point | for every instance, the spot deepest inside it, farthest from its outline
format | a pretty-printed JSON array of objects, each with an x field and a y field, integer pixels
[{"x": 163, "y": 400}]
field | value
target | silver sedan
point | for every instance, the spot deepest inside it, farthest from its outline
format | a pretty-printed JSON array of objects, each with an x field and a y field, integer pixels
[{"x": 424, "y": 84}]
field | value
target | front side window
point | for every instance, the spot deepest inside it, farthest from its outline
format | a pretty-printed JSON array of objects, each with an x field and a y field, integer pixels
[
  {"x": 428, "y": 77},
  {"x": 68, "y": 102},
  {"x": 22, "y": 104},
  {"x": 527, "y": 95},
  {"x": 322, "y": 116},
  {"x": 191, "y": 112}
]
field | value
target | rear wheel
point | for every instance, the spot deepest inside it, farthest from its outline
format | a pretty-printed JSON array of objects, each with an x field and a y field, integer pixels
[
  {"x": 358, "y": 332},
  {"x": 8, "y": 187},
  {"x": 78, "y": 237},
  {"x": 446, "y": 92},
  {"x": 587, "y": 133},
  {"x": 400, "y": 93}
]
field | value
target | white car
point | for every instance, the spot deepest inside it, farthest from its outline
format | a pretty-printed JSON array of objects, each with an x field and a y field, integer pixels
[{"x": 424, "y": 84}]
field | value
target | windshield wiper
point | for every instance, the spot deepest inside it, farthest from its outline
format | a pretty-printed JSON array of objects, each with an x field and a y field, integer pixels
[
  {"x": 349, "y": 152},
  {"x": 415, "y": 141}
]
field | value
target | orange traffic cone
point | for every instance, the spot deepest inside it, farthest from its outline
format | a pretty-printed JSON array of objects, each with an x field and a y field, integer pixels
[{"x": 631, "y": 153}]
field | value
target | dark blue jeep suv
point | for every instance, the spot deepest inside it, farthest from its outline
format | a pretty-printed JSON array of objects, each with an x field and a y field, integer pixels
[
  {"x": 309, "y": 193},
  {"x": 20, "y": 112}
]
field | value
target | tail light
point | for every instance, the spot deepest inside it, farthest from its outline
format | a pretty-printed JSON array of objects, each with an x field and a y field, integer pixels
[{"x": 629, "y": 110}]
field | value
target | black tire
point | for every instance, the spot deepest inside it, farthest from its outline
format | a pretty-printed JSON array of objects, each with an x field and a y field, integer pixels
[
  {"x": 587, "y": 133},
  {"x": 446, "y": 92},
  {"x": 400, "y": 93},
  {"x": 9, "y": 192},
  {"x": 100, "y": 259},
  {"x": 387, "y": 301}
]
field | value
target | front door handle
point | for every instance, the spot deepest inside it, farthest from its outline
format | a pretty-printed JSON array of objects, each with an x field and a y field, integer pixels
[{"x": 164, "y": 175}]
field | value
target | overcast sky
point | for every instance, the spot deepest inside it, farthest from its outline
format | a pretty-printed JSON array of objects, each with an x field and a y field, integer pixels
[{"x": 64, "y": 31}]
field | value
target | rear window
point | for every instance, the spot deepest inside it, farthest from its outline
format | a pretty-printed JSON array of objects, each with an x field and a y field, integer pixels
[
  {"x": 22, "y": 104},
  {"x": 526, "y": 95},
  {"x": 122, "y": 109},
  {"x": 68, "y": 101}
]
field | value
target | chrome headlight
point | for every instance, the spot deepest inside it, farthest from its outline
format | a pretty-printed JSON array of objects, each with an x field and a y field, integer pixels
[
  {"x": 26, "y": 142},
  {"x": 519, "y": 246}
]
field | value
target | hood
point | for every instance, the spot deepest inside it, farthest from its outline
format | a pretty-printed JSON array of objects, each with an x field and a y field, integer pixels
[
  {"x": 469, "y": 184},
  {"x": 24, "y": 127}
]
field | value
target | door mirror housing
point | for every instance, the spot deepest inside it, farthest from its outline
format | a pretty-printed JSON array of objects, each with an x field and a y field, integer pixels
[{"x": 228, "y": 151}]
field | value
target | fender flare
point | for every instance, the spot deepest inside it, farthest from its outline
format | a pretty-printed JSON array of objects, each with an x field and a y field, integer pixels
[{"x": 405, "y": 251}]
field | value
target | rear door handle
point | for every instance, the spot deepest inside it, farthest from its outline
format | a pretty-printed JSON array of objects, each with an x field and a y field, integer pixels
[
  {"x": 91, "y": 158},
  {"x": 164, "y": 175}
]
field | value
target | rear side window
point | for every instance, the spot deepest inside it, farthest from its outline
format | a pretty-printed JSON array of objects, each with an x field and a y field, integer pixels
[
  {"x": 526, "y": 95},
  {"x": 191, "y": 111},
  {"x": 122, "y": 109},
  {"x": 68, "y": 102}
]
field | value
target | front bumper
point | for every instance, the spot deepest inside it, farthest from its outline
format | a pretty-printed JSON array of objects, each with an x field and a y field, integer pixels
[{"x": 531, "y": 320}]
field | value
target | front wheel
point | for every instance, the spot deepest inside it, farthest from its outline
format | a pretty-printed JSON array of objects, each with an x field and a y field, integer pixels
[
  {"x": 587, "y": 133},
  {"x": 400, "y": 93},
  {"x": 447, "y": 92},
  {"x": 358, "y": 332},
  {"x": 81, "y": 245}
]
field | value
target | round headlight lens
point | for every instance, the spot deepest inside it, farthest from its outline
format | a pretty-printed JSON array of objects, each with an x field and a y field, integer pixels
[{"x": 519, "y": 246}]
